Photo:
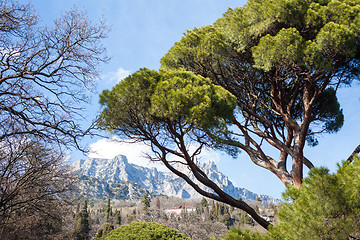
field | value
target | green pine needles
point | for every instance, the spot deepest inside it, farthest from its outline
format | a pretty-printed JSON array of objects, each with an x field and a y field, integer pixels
[
  {"x": 151, "y": 97},
  {"x": 326, "y": 207},
  {"x": 145, "y": 231}
]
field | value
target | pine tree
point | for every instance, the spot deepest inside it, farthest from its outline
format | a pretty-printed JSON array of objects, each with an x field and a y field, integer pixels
[{"x": 326, "y": 207}]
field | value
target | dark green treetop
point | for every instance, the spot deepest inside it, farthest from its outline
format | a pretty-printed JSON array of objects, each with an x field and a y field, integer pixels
[
  {"x": 108, "y": 211},
  {"x": 203, "y": 202},
  {"x": 83, "y": 223}
]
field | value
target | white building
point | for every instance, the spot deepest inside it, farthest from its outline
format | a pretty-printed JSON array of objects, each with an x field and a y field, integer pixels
[{"x": 179, "y": 209}]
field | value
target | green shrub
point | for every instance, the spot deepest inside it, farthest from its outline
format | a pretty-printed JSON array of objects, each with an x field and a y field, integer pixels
[
  {"x": 144, "y": 231},
  {"x": 239, "y": 234},
  {"x": 326, "y": 207}
]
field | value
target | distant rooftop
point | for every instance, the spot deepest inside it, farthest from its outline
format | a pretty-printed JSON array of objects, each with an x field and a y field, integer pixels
[{"x": 182, "y": 207}]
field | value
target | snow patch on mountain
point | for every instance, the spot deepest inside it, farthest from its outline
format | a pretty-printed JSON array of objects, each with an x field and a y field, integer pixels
[{"x": 106, "y": 173}]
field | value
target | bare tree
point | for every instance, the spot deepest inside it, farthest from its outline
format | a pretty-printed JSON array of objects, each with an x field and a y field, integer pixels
[
  {"x": 45, "y": 72},
  {"x": 45, "y": 77},
  {"x": 34, "y": 183}
]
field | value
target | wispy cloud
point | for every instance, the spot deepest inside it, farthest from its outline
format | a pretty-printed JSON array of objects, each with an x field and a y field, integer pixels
[{"x": 117, "y": 76}]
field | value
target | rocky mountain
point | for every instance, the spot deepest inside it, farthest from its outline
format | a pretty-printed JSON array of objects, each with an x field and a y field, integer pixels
[{"x": 119, "y": 179}]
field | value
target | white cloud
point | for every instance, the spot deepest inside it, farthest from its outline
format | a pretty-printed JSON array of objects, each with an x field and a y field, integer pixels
[
  {"x": 117, "y": 75},
  {"x": 207, "y": 155},
  {"x": 212, "y": 155},
  {"x": 135, "y": 152}
]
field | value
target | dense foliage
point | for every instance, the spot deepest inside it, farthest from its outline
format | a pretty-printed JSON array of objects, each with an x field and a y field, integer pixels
[
  {"x": 83, "y": 224},
  {"x": 150, "y": 98},
  {"x": 144, "y": 231},
  {"x": 283, "y": 61},
  {"x": 239, "y": 234},
  {"x": 146, "y": 200},
  {"x": 326, "y": 207}
]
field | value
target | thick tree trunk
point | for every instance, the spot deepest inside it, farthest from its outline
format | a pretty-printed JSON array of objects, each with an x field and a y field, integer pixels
[
  {"x": 297, "y": 162},
  {"x": 297, "y": 172}
]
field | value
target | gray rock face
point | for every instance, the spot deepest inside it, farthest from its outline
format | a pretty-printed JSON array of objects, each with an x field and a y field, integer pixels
[{"x": 106, "y": 177}]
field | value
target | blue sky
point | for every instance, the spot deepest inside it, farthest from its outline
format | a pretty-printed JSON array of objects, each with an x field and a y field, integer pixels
[{"x": 142, "y": 31}]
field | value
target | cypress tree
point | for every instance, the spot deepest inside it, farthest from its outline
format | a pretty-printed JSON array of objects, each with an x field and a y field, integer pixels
[
  {"x": 231, "y": 210},
  {"x": 108, "y": 211},
  {"x": 203, "y": 202},
  {"x": 227, "y": 220},
  {"x": 77, "y": 208},
  {"x": 83, "y": 224},
  {"x": 157, "y": 203},
  {"x": 146, "y": 201},
  {"x": 221, "y": 209},
  {"x": 117, "y": 216},
  {"x": 214, "y": 211}
]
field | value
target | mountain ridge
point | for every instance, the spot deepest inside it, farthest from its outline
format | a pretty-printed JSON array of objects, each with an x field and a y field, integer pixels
[{"x": 102, "y": 177}]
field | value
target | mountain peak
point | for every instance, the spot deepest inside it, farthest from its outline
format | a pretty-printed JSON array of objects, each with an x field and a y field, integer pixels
[
  {"x": 210, "y": 165},
  {"x": 120, "y": 158},
  {"x": 120, "y": 170}
]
